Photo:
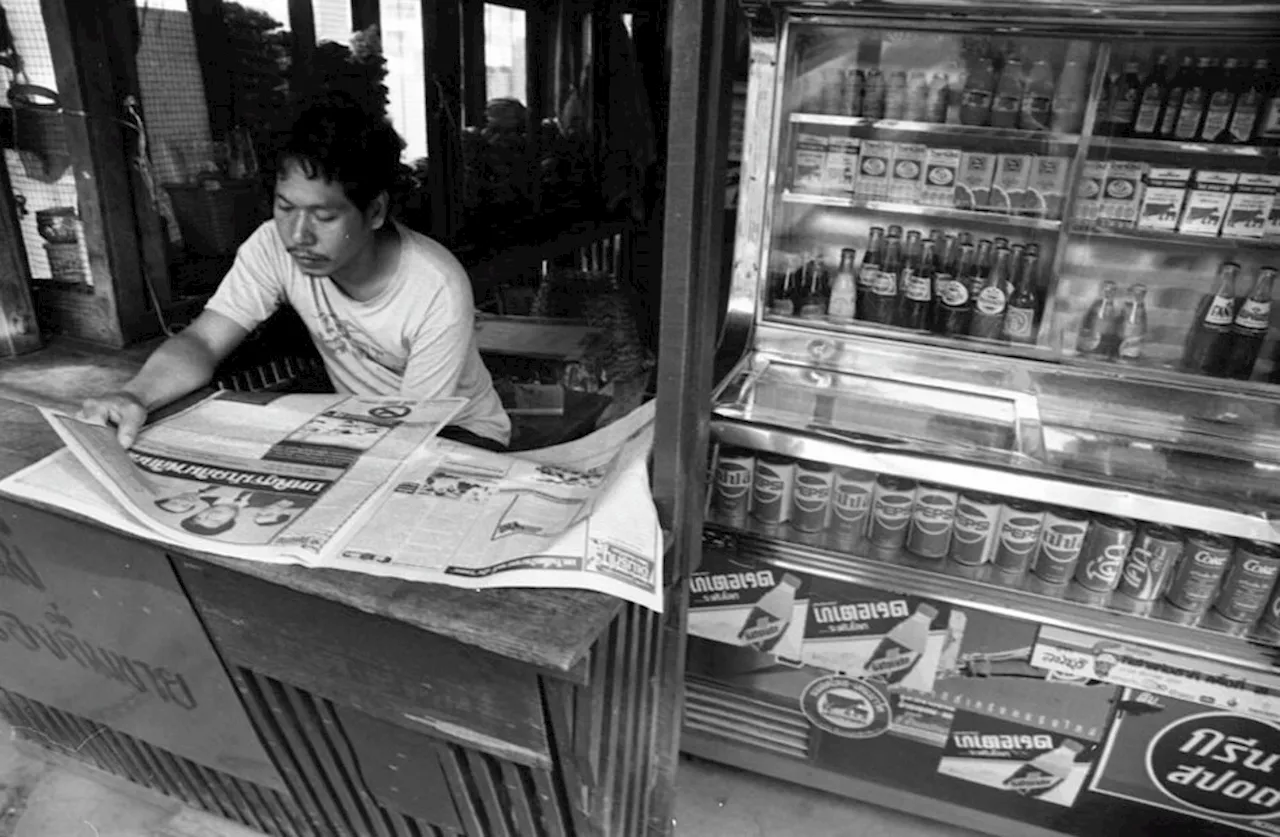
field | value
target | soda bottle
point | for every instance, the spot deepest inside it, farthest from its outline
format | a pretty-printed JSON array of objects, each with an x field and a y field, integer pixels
[
  {"x": 873, "y": 95},
  {"x": 917, "y": 289},
  {"x": 1020, "y": 315},
  {"x": 1015, "y": 268},
  {"x": 1098, "y": 324},
  {"x": 1045, "y": 772},
  {"x": 1124, "y": 101},
  {"x": 1194, "y": 100},
  {"x": 1222, "y": 100},
  {"x": 1250, "y": 327},
  {"x": 1210, "y": 335},
  {"x": 1244, "y": 120},
  {"x": 895, "y": 231},
  {"x": 1173, "y": 99},
  {"x": 1151, "y": 102},
  {"x": 1037, "y": 99},
  {"x": 982, "y": 262},
  {"x": 903, "y": 646},
  {"x": 895, "y": 95},
  {"x": 957, "y": 300},
  {"x": 1133, "y": 333},
  {"x": 769, "y": 619},
  {"x": 1268, "y": 130},
  {"x": 844, "y": 289},
  {"x": 851, "y": 104},
  {"x": 1008, "y": 98},
  {"x": 917, "y": 96},
  {"x": 783, "y": 284},
  {"x": 882, "y": 301},
  {"x": 813, "y": 302},
  {"x": 869, "y": 270},
  {"x": 1069, "y": 98},
  {"x": 935, "y": 109},
  {"x": 991, "y": 300},
  {"x": 975, "y": 104}
]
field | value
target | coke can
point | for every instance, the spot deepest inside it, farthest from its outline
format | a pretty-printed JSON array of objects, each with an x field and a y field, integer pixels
[
  {"x": 850, "y": 506},
  {"x": 1269, "y": 624},
  {"x": 1249, "y": 582},
  {"x": 1018, "y": 534},
  {"x": 929, "y": 534},
  {"x": 1061, "y": 539},
  {"x": 771, "y": 488},
  {"x": 1102, "y": 556},
  {"x": 974, "y": 537},
  {"x": 811, "y": 497},
  {"x": 1155, "y": 553},
  {"x": 1196, "y": 580},
  {"x": 731, "y": 489},
  {"x": 891, "y": 510}
]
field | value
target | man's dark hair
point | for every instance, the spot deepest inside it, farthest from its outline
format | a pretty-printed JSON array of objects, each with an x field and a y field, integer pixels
[
  {"x": 337, "y": 139},
  {"x": 196, "y": 527}
]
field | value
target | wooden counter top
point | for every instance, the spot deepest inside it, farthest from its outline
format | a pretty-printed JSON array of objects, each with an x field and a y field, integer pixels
[{"x": 552, "y": 629}]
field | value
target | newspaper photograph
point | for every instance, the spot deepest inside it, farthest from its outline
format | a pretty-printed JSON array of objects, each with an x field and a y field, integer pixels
[{"x": 271, "y": 477}]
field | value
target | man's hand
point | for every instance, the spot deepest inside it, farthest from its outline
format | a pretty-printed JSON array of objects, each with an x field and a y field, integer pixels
[{"x": 119, "y": 409}]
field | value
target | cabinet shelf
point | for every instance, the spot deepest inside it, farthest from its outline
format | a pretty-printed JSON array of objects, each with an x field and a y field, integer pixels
[
  {"x": 903, "y": 126},
  {"x": 1180, "y": 147},
  {"x": 1173, "y": 238},
  {"x": 917, "y": 210},
  {"x": 907, "y": 575}
]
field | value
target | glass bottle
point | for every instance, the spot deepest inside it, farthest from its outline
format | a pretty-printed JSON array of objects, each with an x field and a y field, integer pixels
[
  {"x": 1133, "y": 333},
  {"x": 1020, "y": 314},
  {"x": 1151, "y": 102},
  {"x": 1173, "y": 99},
  {"x": 957, "y": 299},
  {"x": 1194, "y": 100},
  {"x": 1250, "y": 327},
  {"x": 841, "y": 307},
  {"x": 991, "y": 300},
  {"x": 1093, "y": 336},
  {"x": 1222, "y": 100},
  {"x": 1210, "y": 334},
  {"x": 869, "y": 270},
  {"x": 917, "y": 289},
  {"x": 1244, "y": 120},
  {"x": 882, "y": 302}
]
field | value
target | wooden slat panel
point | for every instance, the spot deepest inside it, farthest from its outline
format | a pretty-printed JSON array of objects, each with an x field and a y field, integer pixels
[
  {"x": 520, "y": 797},
  {"x": 337, "y": 739},
  {"x": 455, "y": 772},
  {"x": 555, "y": 819},
  {"x": 487, "y": 791}
]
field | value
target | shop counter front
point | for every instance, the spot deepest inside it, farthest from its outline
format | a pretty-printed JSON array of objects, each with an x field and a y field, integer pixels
[{"x": 311, "y": 702}]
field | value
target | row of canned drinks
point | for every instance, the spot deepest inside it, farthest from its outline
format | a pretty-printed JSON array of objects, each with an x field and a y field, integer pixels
[{"x": 1190, "y": 577}]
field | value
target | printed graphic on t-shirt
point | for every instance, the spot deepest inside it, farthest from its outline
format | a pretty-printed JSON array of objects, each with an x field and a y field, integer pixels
[{"x": 342, "y": 339}]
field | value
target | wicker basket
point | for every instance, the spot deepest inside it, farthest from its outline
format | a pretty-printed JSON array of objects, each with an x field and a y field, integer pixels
[
  {"x": 39, "y": 132},
  {"x": 215, "y": 219},
  {"x": 66, "y": 264}
]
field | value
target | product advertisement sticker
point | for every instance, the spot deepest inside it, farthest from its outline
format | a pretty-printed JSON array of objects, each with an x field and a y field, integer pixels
[
  {"x": 847, "y": 707},
  {"x": 1033, "y": 763},
  {"x": 750, "y": 604},
  {"x": 1214, "y": 765},
  {"x": 1074, "y": 654}
]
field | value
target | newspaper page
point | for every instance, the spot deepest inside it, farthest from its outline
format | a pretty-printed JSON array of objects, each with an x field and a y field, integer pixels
[
  {"x": 576, "y": 515},
  {"x": 257, "y": 476}
]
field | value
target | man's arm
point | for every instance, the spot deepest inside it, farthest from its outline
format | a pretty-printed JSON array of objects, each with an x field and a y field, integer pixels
[{"x": 183, "y": 363}]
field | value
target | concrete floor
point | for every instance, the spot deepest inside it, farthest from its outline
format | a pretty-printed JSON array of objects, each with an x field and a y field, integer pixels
[{"x": 39, "y": 799}]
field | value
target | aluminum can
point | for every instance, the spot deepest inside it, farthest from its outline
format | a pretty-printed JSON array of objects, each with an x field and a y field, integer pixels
[
  {"x": 1017, "y": 536},
  {"x": 891, "y": 510},
  {"x": 1195, "y": 583},
  {"x": 929, "y": 533},
  {"x": 1155, "y": 553},
  {"x": 1250, "y": 581},
  {"x": 771, "y": 488},
  {"x": 731, "y": 488},
  {"x": 1061, "y": 539},
  {"x": 1103, "y": 554},
  {"x": 811, "y": 496},
  {"x": 851, "y": 506},
  {"x": 973, "y": 540}
]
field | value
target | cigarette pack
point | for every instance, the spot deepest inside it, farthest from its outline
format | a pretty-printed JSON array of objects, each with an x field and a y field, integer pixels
[
  {"x": 941, "y": 166},
  {"x": 809, "y": 163},
  {"x": 1121, "y": 194},
  {"x": 1250, "y": 205},
  {"x": 1163, "y": 198},
  {"x": 1048, "y": 188},
  {"x": 842, "y": 165},
  {"x": 1089, "y": 191},
  {"x": 973, "y": 187},
  {"x": 907, "y": 175},
  {"x": 873, "y": 170},
  {"x": 1207, "y": 202},
  {"x": 1009, "y": 187}
]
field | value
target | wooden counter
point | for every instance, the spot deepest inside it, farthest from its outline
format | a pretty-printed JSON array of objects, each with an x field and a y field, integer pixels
[{"x": 366, "y": 705}]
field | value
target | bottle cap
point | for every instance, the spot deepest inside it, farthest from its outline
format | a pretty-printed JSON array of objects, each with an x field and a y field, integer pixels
[{"x": 927, "y": 610}]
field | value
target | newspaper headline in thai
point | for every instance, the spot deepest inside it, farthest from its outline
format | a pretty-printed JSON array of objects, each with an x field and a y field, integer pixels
[{"x": 364, "y": 484}]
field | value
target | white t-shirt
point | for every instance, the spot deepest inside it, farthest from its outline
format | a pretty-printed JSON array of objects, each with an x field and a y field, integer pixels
[{"x": 416, "y": 337}]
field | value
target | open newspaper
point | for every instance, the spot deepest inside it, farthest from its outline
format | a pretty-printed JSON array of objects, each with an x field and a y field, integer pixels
[{"x": 362, "y": 484}]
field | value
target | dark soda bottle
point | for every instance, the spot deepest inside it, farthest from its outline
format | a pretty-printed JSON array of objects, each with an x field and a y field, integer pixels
[
  {"x": 1124, "y": 101},
  {"x": 813, "y": 289},
  {"x": 1020, "y": 315},
  {"x": 869, "y": 271},
  {"x": 1222, "y": 100},
  {"x": 1244, "y": 120},
  {"x": 1195, "y": 100},
  {"x": 1250, "y": 327},
  {"x": 1173, "y": 99},
  {"x": 1099, "y": 334},
  {"x": 957, "y": 298},
  {"x": 916, "y": 284},
  {"x": 990, "y": 300},
  {"x": 1151, "y": 102},
  {"x": 1210, "y": 335},
  {"x": 882, "y": 301},
  {"x": 982, "y": 261}
]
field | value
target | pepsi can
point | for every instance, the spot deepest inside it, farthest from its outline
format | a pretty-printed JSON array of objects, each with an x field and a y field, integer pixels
[
  {"x": 1018, "y": 535},
  {"x": 731, "y": 487},
  {"x": 891, "y": 511},
  {"x": 929, "y": 533},
  {"x": 811, "y": 496},
  {"x": 1155, "y": 553},
  {"x": 973, "y": 540},
  {"x": 771, "y": 488},
  {"x": 1195, "y": 583},
  {"x": 1102, "y": 556},
  {"x": 850, "y": 507},
  {"x": 1061, "y": 539},
  {"x": 1249, "y": 582}
]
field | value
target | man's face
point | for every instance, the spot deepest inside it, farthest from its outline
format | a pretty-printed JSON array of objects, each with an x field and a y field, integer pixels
[
  {"x": 322, "y": 229},
  {"x": 181, "y": 504},
  {"x": 215, "y": 516}
]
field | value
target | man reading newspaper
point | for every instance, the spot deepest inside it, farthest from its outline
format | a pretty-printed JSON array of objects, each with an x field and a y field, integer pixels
[{"x": 389, "y": 310}]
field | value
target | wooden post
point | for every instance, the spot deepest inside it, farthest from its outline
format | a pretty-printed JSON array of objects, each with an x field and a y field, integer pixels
[
  {"x": 18, "y": 330},
  {"x": 302, "y": 23},
  {"x": 442, "y": 69},
  {"x": 473, "y": 71},
  {"x": 365, "y": 13},
  {"x": 210, "y": 32}
]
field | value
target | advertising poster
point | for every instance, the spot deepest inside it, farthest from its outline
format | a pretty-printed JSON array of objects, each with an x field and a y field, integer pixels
[{"x": 1220, "y": 767}]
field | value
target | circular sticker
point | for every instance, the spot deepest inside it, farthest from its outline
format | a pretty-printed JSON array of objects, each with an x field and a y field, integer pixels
[
  {"x": 941, "y": 176},
  {"x": 1218, "y": 763},
  {"x": 907, "y": 170},
  {"x": 846, "y": 707},
  {"x": 390, "y": 412},
  {"x": 874, "y": 166},
  {"x": 1120, "y": 189}
]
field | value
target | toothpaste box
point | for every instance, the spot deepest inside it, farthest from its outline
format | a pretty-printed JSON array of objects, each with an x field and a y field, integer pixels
[
  {"x": 907, "y": 175},
  {"x": 941, "y": 166},
  {"x": 841, "y": 171},
  {"x": 1163, "y": 198},
  {"x": 1250, "y": 205},
  {"x": 873, "y": 170},
  {"x": 1047, "y": 190},
  {"x": 1121, "y": 194},
  {"x": 977, "y": 173},
  {"x": 1009, "y": 186},
  {"x": 1207, "y": 202},
  {"x": 1089, "y": 191},
  {"x": 809, "y": 162}
]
